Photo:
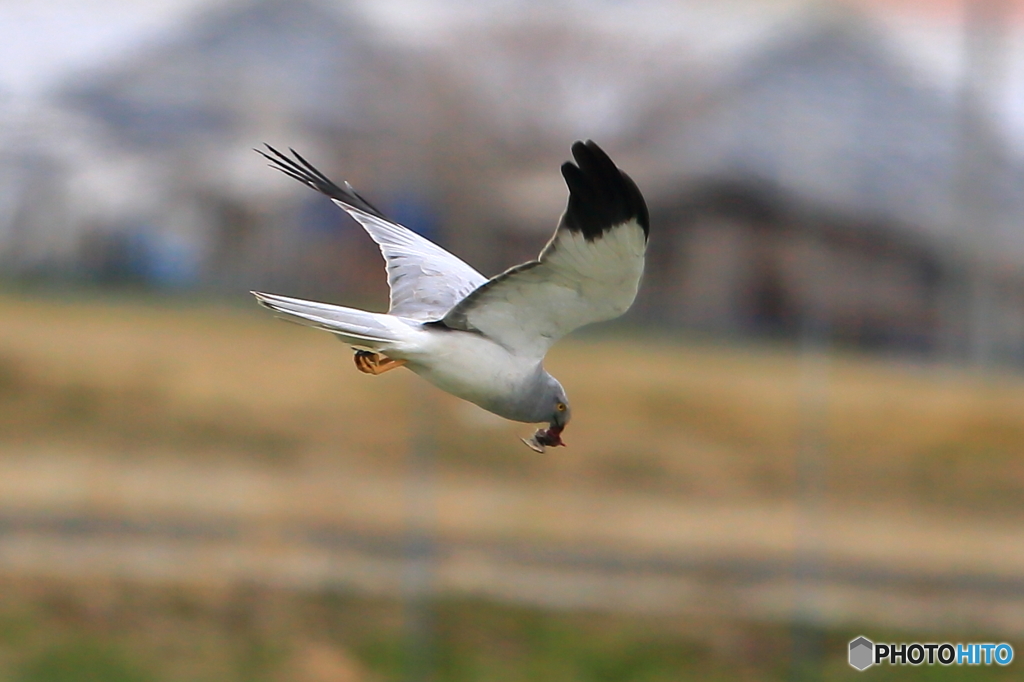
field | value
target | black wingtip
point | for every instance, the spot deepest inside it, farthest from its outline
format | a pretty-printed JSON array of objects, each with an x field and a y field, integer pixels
[
  {"x": 600, "y": 195},
  {"x": 298, "y": 168}
]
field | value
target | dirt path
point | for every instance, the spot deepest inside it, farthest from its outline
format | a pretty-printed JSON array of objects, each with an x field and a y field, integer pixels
[{"x": 558, "y": 545}]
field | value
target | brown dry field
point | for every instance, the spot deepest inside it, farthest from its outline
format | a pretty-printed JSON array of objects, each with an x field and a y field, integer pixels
[
  {"x": 695, "y": 420},
  {"x": 677, "y": 418}
]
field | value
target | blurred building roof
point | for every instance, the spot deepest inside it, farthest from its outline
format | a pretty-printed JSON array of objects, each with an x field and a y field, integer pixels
[
  {"x": 301, "y": 60},
  {"x": 551, "y": 76},
  {"x": 833, "y": 115}
]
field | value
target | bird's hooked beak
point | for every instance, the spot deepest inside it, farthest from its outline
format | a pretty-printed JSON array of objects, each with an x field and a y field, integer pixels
[{"x": 550, "y": 437}]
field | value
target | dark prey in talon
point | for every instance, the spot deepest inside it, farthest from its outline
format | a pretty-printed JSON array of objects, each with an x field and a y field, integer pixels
[
  {"x": 484, "y": 340},
  {"x": 544, "y": 438}
]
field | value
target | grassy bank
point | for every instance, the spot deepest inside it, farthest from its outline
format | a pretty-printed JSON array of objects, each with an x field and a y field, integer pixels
[{"x": 119, "y": 632}]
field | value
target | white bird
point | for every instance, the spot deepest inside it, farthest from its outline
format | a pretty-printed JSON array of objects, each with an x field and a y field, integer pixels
[{"x": 484, "y": 340}]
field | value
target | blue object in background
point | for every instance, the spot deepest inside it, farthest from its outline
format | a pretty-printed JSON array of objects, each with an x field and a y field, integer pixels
[
  {"x": 416, "y": 213},
  {"x": 139, "y": 255},
  {"x": 170, "y": 261},
  {"x": 320, "y": 216}
]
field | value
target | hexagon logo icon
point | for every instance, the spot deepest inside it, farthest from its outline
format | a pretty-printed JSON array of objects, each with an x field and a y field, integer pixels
[{"x": 862, "y": 652}]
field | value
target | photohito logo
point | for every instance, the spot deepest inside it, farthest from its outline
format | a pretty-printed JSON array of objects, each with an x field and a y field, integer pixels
[{"x": 864, "y": 653}]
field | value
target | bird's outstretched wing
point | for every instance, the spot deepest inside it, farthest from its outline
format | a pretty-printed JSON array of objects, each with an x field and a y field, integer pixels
[
  {"x": 425, "y": 280},
  {"x": 589, "y": 271}
]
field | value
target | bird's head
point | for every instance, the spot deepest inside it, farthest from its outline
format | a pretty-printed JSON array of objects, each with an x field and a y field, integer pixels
[{"x": 559, "y": 416}]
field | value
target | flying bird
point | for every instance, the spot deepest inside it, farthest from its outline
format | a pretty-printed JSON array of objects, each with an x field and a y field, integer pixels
[{"x": 484, "y": 340}]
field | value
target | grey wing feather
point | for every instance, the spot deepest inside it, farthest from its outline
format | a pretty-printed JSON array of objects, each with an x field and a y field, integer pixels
[
  {"x": 425, "y": 280},
  {"x": 590, "y": 270}
]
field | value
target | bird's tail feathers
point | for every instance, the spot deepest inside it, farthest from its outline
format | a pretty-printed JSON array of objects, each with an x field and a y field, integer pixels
[{"x": 356, "y": 327}]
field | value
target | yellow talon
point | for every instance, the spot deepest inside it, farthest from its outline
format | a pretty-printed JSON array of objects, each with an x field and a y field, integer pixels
[{"x": 369, "y": 362}]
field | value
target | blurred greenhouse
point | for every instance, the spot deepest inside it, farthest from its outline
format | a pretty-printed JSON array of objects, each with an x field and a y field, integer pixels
[{"x": 810, "y": 426}]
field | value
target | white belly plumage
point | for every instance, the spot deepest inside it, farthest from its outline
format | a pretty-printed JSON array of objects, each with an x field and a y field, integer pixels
[{"x": 471, "y": 367}]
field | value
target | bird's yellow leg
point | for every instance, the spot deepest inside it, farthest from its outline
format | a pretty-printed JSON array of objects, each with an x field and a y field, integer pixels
[{"x": 369, "y": 362}]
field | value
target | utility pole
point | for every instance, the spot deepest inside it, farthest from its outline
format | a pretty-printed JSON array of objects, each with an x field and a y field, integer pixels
[
  {"x": 421, "y": 536},
  {"x": 977, "y": 164}
]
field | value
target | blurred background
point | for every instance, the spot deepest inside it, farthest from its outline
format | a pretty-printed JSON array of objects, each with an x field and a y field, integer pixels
[{"x": 810, "y": 427}]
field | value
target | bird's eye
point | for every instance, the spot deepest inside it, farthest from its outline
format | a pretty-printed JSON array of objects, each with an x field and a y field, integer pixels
[{"x": 561, "y": 407}]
